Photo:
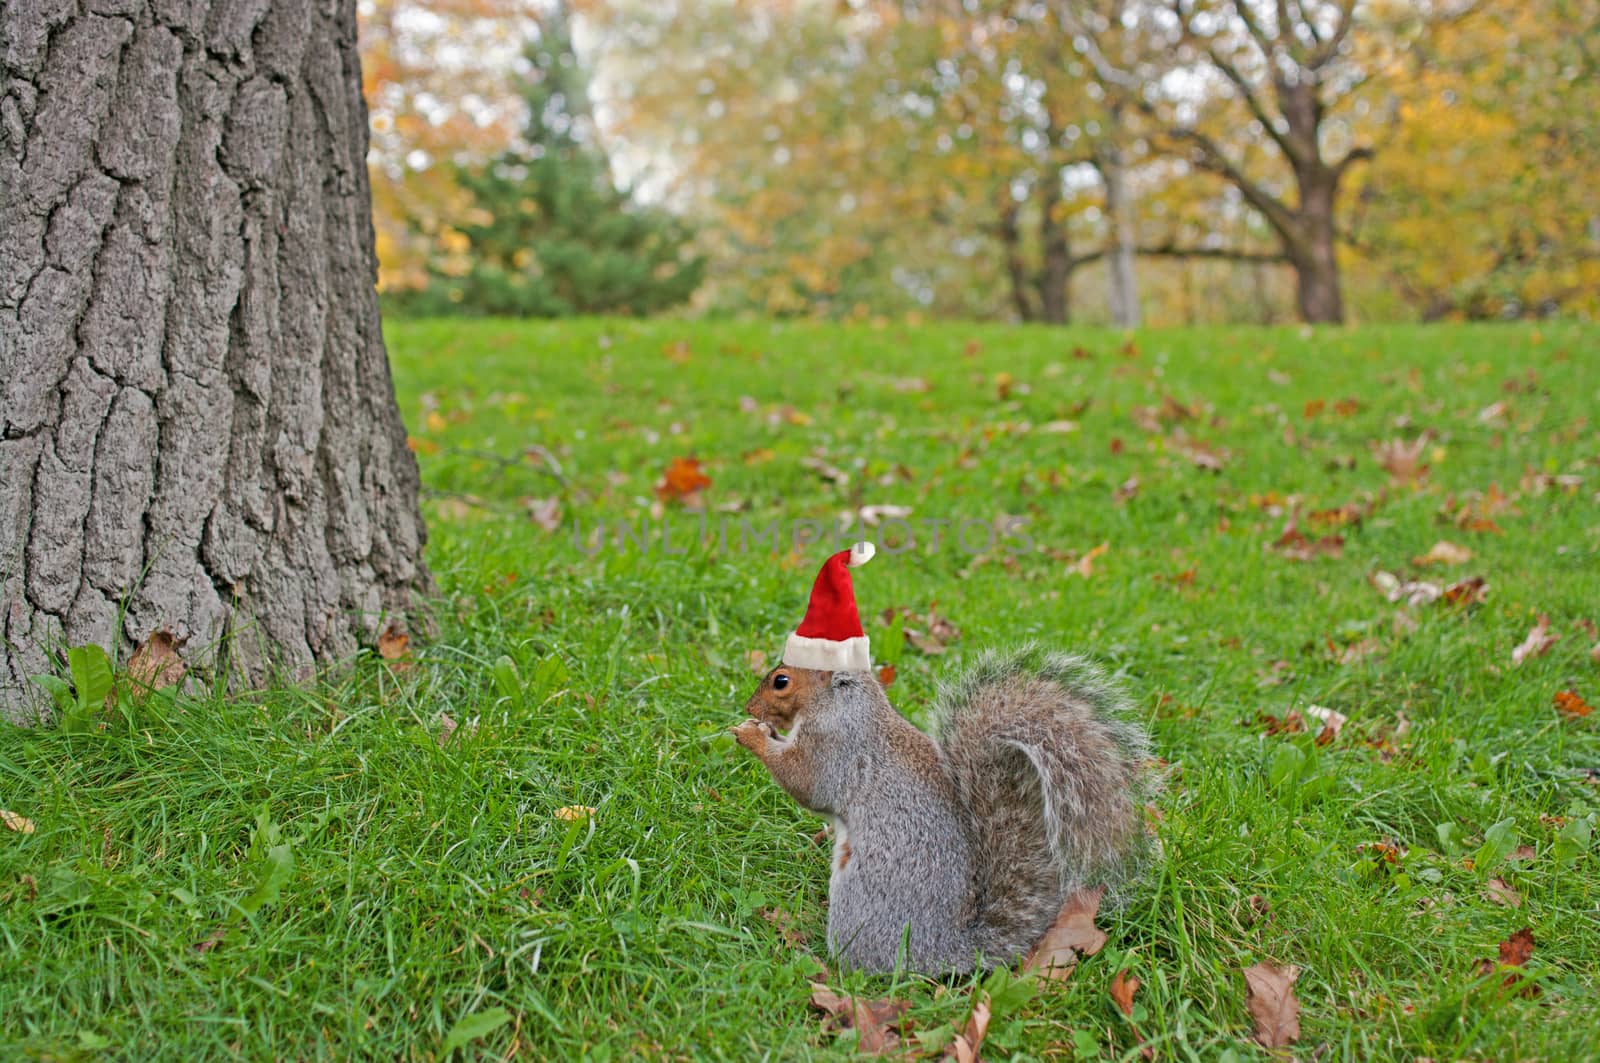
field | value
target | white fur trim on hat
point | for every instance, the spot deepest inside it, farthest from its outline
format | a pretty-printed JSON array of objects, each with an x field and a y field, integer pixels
[
  {"x": 860, "y": 554},
  {"x": 829, "y": 655}
]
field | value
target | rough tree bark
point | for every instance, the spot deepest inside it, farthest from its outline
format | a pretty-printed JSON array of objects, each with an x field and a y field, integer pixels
[{"x": 198, "y": 430}]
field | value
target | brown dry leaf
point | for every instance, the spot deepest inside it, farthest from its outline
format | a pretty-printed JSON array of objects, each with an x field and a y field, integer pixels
[
  {"x": 574, "y": 813},
  {"x": 1272, "y": 1004},
  {"x": 1294, "y": 544},
  {"x": 393, "y": 642},
  {"x": 1073, "y": 934},
  {"x": 886, "y": 676},
  {"x": 447, "y": 728},
  {"x": 1515, "y": 952},
  {"x": 1571, "y": 705},
  {"x": 156, "y": 664},
  {"x": 783, "y": 922},
  {"x": 1401, "y": 460},
  {"x": 969, "y": 1042},
  {"x": 1290, "y": 723},
  {"x": 682, "y": 482},
  {"x": 1332, "y": 723},
  {"x": 1444, "y": 553},
  {"x": 19, "y": 823},
  {"x": 1537, "y": 644},
  {"x": 1470, "y": 591},
  {"x": 1355, "y": 651},
  {"x": 876, "y": 1022},
  {"x": 1003, "y": 383},
  {"x": 1122, "y": 989},
  {"x": 211, "y": 941},
  {"x": 1126, "y": 491},
  {"x": 1085, "y": 564},
  {"x": 545, "y": 512},
  {"x": 759, "y": 456},
  {"x": 756, "y": 660},
  {"x": 1500, "y": 892}
]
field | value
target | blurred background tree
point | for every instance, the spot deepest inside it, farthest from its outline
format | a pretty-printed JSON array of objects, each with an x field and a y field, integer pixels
[{"x": 1169, "y": 161}]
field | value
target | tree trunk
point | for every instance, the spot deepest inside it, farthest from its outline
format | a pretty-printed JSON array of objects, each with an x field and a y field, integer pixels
[
  {"x": 198, "y": 430},
  {"x": 1314, "y": 254},
  {"x": 1055, "y": 269},
  {"x": 1123, "y": 287},
  {"x": 1016, "y": 268}
]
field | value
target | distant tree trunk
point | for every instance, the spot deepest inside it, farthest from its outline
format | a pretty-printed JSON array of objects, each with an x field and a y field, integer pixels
[
  {"x": 1123, "y": 287},
  {"x": 198, "y": 430},
  {"x": 1016, "y": 266},
  {"x": 1056, "y": 265},
  {"x": 1314, "y": 253}
]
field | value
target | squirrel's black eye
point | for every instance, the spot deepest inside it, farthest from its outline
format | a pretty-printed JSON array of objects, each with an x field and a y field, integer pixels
[{"x": 780, "y": 681}]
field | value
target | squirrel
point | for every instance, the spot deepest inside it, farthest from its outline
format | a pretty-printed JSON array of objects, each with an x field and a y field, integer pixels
[{"x": 953, "y": 851}]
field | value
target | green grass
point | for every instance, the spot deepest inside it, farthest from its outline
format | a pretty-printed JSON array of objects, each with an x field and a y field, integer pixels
[{"x": 435, "y": 883}]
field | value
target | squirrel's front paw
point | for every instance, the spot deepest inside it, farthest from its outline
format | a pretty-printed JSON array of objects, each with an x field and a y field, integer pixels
[{"x": 753, "y": 735}]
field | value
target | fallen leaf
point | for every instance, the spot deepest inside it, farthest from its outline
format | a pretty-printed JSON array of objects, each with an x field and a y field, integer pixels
[
  {"x": 1332, "y": 723},
  {"x": 682, "y": 482},
  {"x": 1085, "y": 564},
  {"x": 911, "y": 385},
  {"x": 1059, "y": 427},
  {"x": 876, "y": 1022},
  {"x": 447, "y": 728},
  {"x": 1126, "y": 491},
  {"x": 1290, "y": 723},
  {"x": 1122, "y": 989},
  {"x": 783, "y": 922},
  {"x": 1537, "y": 644},
  {"x": 13, "y": 821},
  {"x": 1295, "y": 545},
  {"x": 1443, "y": 553},
  {"x": 968, "y": 1043},
  {"x": 757, "y": 661},
  {"x": 1411, "y": 592},
  {"x": 1272, "y": 1004},
  {"x": 574, "y": 813},
  {"x": 832, "y": 473},
  {"x": 1073, "y": 934},
  {"x": 393, "y": 642},
  {"x": 1571, "y": 705},
  {"x": 1501, "y": 893},
  {"x": 1402, "y": 460},
  {"x": 886, "y": 675},
  {"x": 1470, "y": 591},
  {"x": 156, "y": 664},
  {"x": 1355, "y": 651},
  {"x": 545, "y": 512},
  {"x": 872, "y": 516},
  {"x": 211, "y": 941},
  {"x": 1515, "y": 952}
]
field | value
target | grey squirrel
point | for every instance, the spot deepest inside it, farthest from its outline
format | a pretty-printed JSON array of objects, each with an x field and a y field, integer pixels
[{"x": 954, "y": 850}]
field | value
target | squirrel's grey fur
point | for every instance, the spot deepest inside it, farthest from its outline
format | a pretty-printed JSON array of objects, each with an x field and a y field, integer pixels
[{"x": 958, "y": 849}]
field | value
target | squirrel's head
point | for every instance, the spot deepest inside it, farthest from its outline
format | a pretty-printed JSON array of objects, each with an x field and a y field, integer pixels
[{"x": 786, "y": 693}]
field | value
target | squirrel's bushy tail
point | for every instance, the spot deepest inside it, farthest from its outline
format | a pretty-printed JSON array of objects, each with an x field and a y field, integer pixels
[{"x": 1051, "y": 769}]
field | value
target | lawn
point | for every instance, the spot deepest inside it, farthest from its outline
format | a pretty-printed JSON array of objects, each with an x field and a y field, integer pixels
[{"x": 398, "y": 861}]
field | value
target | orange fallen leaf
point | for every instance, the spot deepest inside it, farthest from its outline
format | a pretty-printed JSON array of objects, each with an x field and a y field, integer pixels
[
  {"x": 1571, "y": 705},
  {"x": 393, "y": 642},
  {"x": 1537, "y": 644},
  {"x": 876, "y": 1022},
  {"x": 574, "y": 813},
  {"x": 1123, "y": 986},
  {"x": 1471, "y": 591},
  {"x": 886, "y": 675},
  {"x": 1085, "y": 564},
  {"x": 1272, "y": 1004},
  {"x": 1332, "y": 722},
  {"x": 682, "y": 482},
  {"x": 1073, "y": 934}
]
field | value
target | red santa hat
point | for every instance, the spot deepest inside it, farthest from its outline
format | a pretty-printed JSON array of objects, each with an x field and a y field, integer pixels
[{"x": 830, "y": 638}]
